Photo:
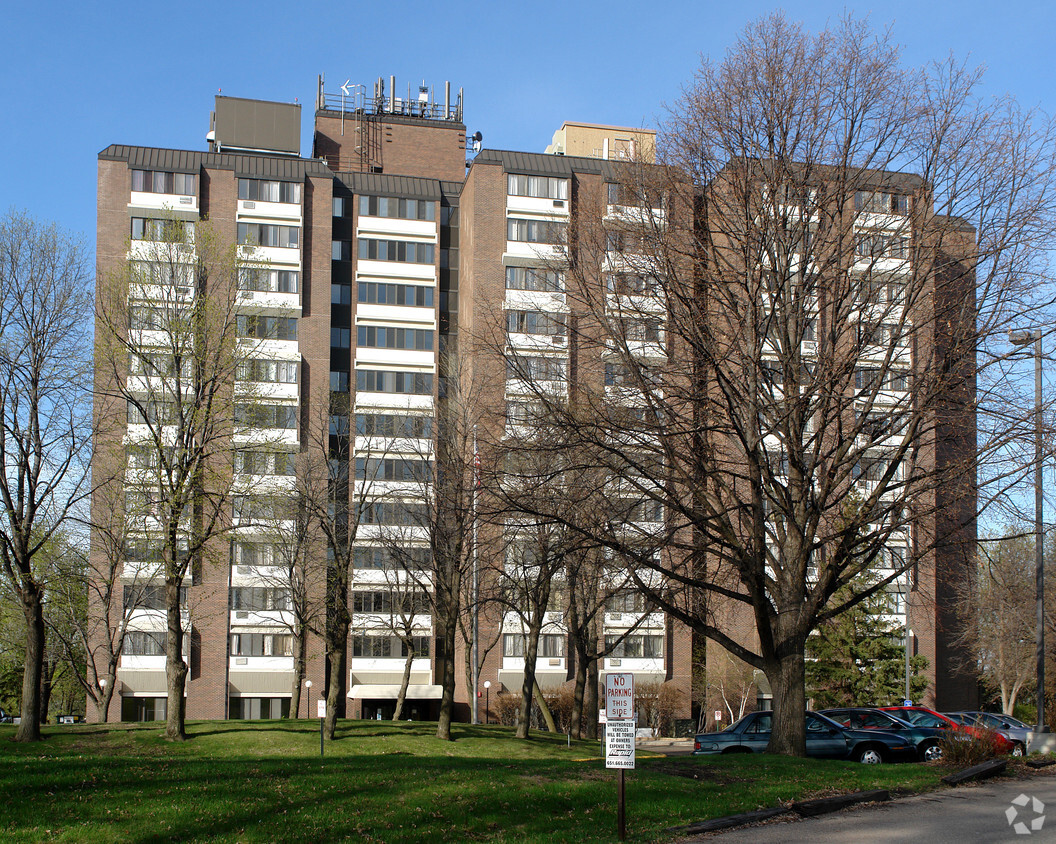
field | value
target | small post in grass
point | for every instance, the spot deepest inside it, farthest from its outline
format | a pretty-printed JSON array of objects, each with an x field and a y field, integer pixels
[{"x": 321, "y": 703}]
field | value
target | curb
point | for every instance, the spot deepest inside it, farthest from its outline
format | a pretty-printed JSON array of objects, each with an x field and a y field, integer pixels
[
  {"x": 730, "y": 820},
  {"x": 977, "y": 772},
  {"x": 812, "y": 808}
]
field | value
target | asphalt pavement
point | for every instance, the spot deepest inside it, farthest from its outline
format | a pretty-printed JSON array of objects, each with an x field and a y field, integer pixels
[{"x": 1022, "y": 810}]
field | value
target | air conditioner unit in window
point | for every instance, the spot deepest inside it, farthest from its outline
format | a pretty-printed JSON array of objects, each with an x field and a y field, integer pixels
[
  {"x": 559, "y": 339},
  {"x": 615, "y": 663},
  {"x": 559, "y": 203},
  {"x": 241, "y": 614},
  {"x": 616, "y": 616},
  {"x": 241, "y": 660},
  {"x": 555, "y": 662},
  {"x": 186, "y": 200},
  {"x": 249, "y": 204},
  {"x": 244, "y": 569}
]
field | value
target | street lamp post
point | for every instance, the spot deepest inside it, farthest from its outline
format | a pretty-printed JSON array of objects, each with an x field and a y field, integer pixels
[
  {"x": 308, "y": 705},
  {"x": 1024, "y": 338},
  {"x": 487, "y": 701}
]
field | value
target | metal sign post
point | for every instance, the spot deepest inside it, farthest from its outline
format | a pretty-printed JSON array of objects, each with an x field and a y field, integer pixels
[
  {"x": 322, "y": 719},
  {"x": 619, "y": 738}
]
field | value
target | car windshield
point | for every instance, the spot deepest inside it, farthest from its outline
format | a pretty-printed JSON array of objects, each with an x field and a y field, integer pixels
[
  {"x": 922, "y": 719},
  {"x": 1015, "y": 722}
]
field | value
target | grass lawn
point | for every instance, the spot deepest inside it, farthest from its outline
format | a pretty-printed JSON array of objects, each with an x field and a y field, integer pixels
[{"x": 263, "y": 781}]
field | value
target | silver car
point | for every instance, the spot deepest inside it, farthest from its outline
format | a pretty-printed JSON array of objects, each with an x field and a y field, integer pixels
[{"x": 1011, "y": 728}]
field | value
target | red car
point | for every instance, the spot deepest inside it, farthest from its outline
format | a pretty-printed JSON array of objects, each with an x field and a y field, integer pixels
[{"x": 923, "y": 717}]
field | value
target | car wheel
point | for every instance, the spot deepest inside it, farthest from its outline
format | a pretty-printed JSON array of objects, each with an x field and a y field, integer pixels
[
  {"x": 1018, "y": 749},
  {"x": 931, "y": 753},
  {"x": 870, "y": 756}
]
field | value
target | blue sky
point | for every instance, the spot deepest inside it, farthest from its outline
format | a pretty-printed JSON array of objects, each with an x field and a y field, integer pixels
[{"x": 76, "y": 77}]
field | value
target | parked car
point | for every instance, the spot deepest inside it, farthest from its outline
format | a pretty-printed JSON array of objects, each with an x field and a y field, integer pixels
[
  {"x": 924, "y": 717},
  {"x": 5, "y": 718},
  {"x": 1011, "y": 728},
  {"x": 925, "y": 740},
  {"x": 825, "y": 740}
]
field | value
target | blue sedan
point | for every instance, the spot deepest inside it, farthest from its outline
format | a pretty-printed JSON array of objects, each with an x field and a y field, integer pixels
[{"x": 825, "y": 740}]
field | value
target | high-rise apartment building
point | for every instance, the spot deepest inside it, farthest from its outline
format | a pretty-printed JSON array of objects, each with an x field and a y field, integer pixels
[{"x": 364, "y": 271}]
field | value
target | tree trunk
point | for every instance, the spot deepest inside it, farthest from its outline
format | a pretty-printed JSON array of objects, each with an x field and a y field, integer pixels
[
  {"x": 590, "y": 699},
  {"x": 548, "y": 716},
  {"x": 335, "y": 654},
  {"x": 531, "y": 651},
  {"x": 175, "y": 667},
  {"x": 31, "y": 598},
  {"x": 299, "y": 648},
  {"x": 446, "y": 643},
  {"x": 787, "y": 681},
  {"x": 404, "y": 682},
  {"x": 579, "y": 686}
]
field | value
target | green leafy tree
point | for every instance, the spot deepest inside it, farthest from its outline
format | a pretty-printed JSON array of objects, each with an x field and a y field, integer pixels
[{"x": 858, "y": 658}]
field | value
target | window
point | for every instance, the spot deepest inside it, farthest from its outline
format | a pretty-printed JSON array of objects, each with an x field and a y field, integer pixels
[
  {"x": 881, "y": 202},
  {"x": 268, "y": 234},
  {"x": 398, "y": 513},
  {"x": 382, "y": 646},
  {"x": 629, "y": 601},
  {"x": 162, "y": 181},
  {"x": 268, "y": 281},
  {"x": 340, "y": 294},
  {"x": 550, "y": 645},
  {"x": 265, "y": 463},
  {"x": 536, "y": 322},
  {"x": 543, "y": 187},
  {"x": 393, "y": 469},
  {"x": 642, "y": 510},
  {"x": 640, "y": 330},
  {"x": 249, "y": 508},
  {"x": 338, "y": 382},
  {"x": 402, "y": 209},
  {"x": 388, "y": 559},
  {"x": 535, "y": 231},
  {"x": 339, "y": 206},
  {"x": 881, "y": 245},
  {"x": 532, "y": 278},
  {"x": 153, "y": 412},
  {"x": 258, "y": 708},
  {"x": 868, "y": 379},
  {"x": 144, "y": 644},
  {"x": 383, "y": 381},
  {"x": 882, "y": 290},
  {"x": 382, "y": 337},
  {"x": 622, "y": 375},
  {"x": 634, "y": 243},
  {"x": 636, "y": 645},
  {"x": 264, "y": 190},
  {"x": 637, "y": 196},
  {"x": 523, "y": 412},
  {"x": 633, "y": 284},
  {"x": 258, "y": 554},
  {"x": 393, "y": 425},
  {"x": 162, "y": 231},
  {"x": 148, "y": 596},
  {"x": 408, "y": 251},
  {"x": 144, "y": 317},
  {"x": 537, "y": 369},
  {"x": 340, "y": 338},
  {"x": 283, "y": 416},
  {"x": 268, "y": 371},
  {"x": 261, "y": 644},
  {"x": 266, "y": 327},
  {"x": 260, "y": 598},
  {"x": 410, "y": 601},
  {"x": 410, "y": 295}
]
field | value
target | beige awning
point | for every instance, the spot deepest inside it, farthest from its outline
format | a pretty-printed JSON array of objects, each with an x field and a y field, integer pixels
[
  {"x": 139, "y": 682},
  {"x": 269, "y": 683},
  {"x": 386, "y": 691},
  {"x": 513, "y": 680}
]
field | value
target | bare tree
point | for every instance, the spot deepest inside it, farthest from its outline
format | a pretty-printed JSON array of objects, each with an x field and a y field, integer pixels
[
  {"x": 45, "y": 353},
  {"x": 168, "y": 356},
  {"x": 799, "y": 329},
  {"x": 1000, "y": 610}
]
